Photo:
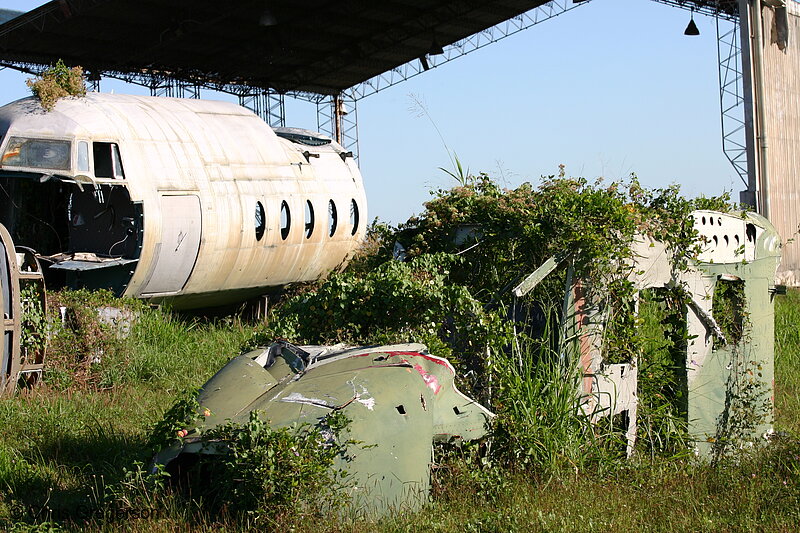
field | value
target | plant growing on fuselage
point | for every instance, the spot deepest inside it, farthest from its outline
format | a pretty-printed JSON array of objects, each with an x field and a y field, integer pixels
[{"x": 57, "y": 82}]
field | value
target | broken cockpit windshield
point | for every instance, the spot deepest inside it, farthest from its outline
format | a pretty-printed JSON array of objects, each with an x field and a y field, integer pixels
[{"x": 37, "y": 153}]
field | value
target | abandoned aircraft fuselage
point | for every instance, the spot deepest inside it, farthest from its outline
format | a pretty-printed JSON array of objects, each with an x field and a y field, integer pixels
[{"x": 195, "y": 201}]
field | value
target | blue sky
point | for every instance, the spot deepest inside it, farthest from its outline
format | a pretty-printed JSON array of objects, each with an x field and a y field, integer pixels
[{"x": 607, "y": 89}]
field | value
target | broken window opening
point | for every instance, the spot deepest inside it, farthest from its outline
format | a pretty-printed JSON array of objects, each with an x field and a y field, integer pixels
[
  {"x": 261, "y": 223},
  {"x": 83, "y": 238},
  {"x": 333, "y": 218},
  {"x": 728, "y": 309},
  {"x": 107, "y": 161},
  {"x": 286, "y": 220},
  {"x": 35, "y": 213}
]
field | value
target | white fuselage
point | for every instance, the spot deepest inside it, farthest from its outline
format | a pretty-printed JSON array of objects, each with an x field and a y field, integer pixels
[{"x": 224, "y": 207}]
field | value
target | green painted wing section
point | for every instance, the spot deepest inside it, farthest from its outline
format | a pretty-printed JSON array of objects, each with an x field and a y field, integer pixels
[
  {"x": 399, "y": 400},
  {"x": 732, "y": 395}
]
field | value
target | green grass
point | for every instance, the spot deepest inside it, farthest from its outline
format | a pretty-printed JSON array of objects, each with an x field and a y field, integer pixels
[
  {"x": 64, "y": 442},
  {"x": 787, "y": 362},
  {"x": 68, "y": 452}
]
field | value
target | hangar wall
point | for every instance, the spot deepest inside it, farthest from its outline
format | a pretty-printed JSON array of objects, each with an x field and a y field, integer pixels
[{"x": 781, "y": 116}]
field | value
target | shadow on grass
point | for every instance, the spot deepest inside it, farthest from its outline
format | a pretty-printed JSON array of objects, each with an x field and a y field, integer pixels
[{"x": 65, "y": 479}]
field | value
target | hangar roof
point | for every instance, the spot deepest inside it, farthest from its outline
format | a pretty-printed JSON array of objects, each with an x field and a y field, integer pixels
[{"x": 316, "y": 46}]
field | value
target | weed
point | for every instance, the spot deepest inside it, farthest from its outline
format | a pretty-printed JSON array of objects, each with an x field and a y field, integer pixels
[
  {"x": 540, "y": 427},
  {"x": 266, "y": 472},
  {"x": 34, "y": 320},
  {"x": 183, "y": 414},
  {"x": 57, "y": 82}
]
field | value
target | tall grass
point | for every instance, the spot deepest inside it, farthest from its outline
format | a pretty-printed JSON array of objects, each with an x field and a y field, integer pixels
[
  {"x": 68, "y": 454},
  {"x": 175, "y": 352},
  {"x": 65, "y": 442},
  {"x": 787, "y": 362},
  {"x": 540, "y": 426}
]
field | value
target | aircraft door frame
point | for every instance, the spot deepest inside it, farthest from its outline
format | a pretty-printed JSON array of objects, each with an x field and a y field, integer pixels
[{"x": 176, "y": 252}]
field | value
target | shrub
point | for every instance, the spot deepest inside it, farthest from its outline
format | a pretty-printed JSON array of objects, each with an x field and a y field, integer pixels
[
  {"x": 260, "y": 472},
  {"x": 267, "y": 471},
  {"x": 397, "y": 302},
  {"x": 57, "y": 82},
  {"x": 80, "y": 341}
]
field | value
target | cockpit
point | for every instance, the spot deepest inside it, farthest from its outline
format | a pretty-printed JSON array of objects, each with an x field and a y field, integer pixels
[{"x": 68, "y": 201}]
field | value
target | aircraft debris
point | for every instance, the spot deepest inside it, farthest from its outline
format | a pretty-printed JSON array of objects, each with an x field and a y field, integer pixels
[{"x": 399, "y": 400}]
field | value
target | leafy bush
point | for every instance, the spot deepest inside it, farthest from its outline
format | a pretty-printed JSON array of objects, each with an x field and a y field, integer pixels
[
  {"x": 520, "y": 228},
  {"x": 57, "y": 82},
  {"x": 267, "y": 472},
  {"x": 396, "y": 302},
  {"x": 79, "y": 339},
  {"x": 259, "y": 470}
]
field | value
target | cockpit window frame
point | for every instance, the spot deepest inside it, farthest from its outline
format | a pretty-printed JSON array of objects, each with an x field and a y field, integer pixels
[
  {"x": 114, "y": 160},
  {"x": 68, "y": 168}
]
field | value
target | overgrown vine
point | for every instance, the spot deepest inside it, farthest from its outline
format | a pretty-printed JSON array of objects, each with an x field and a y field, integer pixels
[{"x": 444, "y": 278}]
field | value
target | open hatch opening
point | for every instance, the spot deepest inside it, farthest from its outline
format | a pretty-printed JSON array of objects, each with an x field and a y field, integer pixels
[{"x": 86, "y": 236}]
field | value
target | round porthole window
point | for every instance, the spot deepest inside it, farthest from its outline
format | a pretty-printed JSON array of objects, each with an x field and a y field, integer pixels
[
  {"x": 309, "y": 222},
  {"x": 333, "y": 218},
  {"x": 261, "y": 221},
  {"x": 353, "y": 217},
  {"x": 286, "y": 220}
]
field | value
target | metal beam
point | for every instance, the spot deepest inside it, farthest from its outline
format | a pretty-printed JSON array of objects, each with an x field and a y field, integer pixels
[
  {"x": 337, "y": 117},
  {"x": 464, "y": 46},
  {"x": 731, "y": 96},
  {"x": 727, "y": 9}
]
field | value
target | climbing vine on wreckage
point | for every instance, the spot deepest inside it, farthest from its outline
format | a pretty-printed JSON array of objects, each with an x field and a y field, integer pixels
[
  {"x": 444, "y": 277},
  {"x": 398, "y": 302}
]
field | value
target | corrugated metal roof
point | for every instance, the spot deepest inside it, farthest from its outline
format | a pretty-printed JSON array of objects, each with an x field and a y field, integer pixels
[{"x": 317, "y": 46}]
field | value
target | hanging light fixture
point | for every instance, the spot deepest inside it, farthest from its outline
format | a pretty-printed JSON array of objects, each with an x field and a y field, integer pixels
[
  {"x": 691, "y": 28},
  {"x": 267, "y": 17}
]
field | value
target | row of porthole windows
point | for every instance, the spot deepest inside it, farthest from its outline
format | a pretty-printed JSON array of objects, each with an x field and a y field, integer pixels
[{"x": 309, "y": 222}]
